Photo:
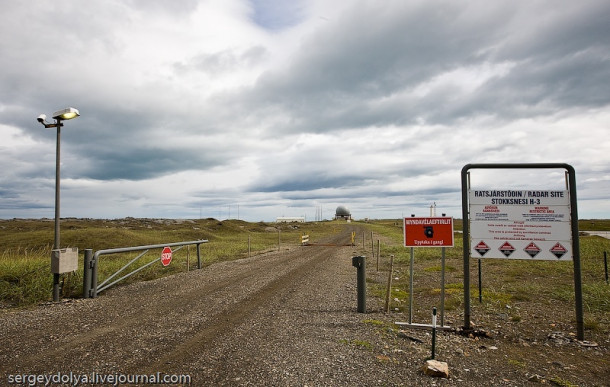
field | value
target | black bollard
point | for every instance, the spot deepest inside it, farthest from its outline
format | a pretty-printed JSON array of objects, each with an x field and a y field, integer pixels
[{"x": 359, "y": 262}]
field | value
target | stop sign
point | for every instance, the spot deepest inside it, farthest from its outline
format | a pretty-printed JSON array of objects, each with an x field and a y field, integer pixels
[{"x": 166, "y": 256}]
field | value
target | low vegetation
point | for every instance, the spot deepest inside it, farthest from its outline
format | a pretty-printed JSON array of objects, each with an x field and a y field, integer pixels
[
  {"x": 515, "y": 291},
  {"x": 513, "y": 288},
  {"x": 25, "y": 251}
]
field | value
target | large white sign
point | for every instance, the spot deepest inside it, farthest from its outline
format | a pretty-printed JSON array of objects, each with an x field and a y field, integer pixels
[{"x": 520, "y": 224}]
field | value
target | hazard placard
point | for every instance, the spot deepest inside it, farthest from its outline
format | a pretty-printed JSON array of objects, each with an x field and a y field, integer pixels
[{"x": 428, "y": 232}]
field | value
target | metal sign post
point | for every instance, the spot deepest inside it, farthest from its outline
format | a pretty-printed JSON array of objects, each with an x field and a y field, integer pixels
[
  {"x": 427, "y": 232},
  {"x": 521, "y": 224}
]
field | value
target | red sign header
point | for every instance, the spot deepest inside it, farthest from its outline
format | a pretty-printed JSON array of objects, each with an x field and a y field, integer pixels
[{"x": 428, "y": 232}]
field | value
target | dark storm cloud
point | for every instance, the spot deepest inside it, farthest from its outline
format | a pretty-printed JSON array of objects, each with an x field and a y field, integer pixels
[
  {"x": 269, "y": 102},
  {"x": 348, "y": 76}
]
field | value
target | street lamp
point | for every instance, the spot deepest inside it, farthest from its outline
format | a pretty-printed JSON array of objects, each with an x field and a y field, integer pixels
[{"x": 58, "y": 116}]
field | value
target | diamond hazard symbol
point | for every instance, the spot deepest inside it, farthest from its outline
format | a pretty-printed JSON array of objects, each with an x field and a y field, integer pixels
[
  {"x": 558, "y": 250},
  {"x": 507, "y": 249},
  {"x": 482, "y": 248},
  {"x": 532, "y": 250}
]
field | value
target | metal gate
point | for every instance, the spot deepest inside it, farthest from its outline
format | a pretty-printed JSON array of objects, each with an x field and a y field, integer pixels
[{"x": 90, "y": 286}]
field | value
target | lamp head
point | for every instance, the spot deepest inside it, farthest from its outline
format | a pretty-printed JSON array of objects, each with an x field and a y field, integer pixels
[
  {"x": 42, "y": 118},
  {"x": 66, "y": 114}
]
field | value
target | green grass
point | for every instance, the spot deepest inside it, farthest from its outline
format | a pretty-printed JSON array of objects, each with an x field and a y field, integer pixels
[
  {"x": 25, "y": 277},
  {"x": 512, "y": 287},
  {"x": 557, "y": 381},
  {"x": 358, "y": 343}
]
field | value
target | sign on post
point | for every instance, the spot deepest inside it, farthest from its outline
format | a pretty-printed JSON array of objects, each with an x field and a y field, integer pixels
[
  {"x": 428, "y": 232},
  {"x": 520, "y": 224},
  {"x": 166, "y": 256}
]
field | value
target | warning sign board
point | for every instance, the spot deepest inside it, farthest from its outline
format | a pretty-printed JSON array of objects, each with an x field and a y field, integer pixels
[
  {"x": 428, "y": 232},
  {"x": 520, "y": 224}
]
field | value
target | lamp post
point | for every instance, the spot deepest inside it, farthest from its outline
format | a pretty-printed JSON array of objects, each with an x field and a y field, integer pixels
[{"x": 58, "y": 116}]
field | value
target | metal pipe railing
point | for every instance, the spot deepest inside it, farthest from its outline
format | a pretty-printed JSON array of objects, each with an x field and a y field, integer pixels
[{"x": 90, "y": 286}]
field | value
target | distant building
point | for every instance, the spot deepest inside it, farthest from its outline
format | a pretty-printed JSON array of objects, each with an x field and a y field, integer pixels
[
  {"x": 343, "y": 213},
  {"x": 290, "y": 219}
]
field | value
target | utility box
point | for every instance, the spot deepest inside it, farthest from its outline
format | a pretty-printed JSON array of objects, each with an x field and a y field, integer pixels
[{"x": 64, "y": 260}]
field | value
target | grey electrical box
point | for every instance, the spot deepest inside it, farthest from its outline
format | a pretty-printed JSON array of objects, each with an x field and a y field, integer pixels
[{"x": 64, "y": 260}]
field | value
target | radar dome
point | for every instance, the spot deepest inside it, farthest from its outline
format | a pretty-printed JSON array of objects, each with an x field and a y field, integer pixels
[{"x": 342, "y": 212}]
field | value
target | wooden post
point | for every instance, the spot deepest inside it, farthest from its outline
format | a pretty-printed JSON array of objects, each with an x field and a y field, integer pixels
[
  {"x": 188, "y": 256},
  {"x": 388, "y": 292},
  {"x": 378, "y": 254},
  {"x": 606, "y": 266}
]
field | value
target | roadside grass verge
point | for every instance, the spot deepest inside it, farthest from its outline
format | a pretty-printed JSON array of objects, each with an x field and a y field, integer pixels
[{"x": 523, "y": 290}]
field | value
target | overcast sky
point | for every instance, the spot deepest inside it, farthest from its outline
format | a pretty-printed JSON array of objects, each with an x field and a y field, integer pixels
[{"x": 267, "y": 108}]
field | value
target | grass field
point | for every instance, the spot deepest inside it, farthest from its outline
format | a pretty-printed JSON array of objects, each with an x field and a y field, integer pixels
[
  {"x": 25, "y": 277},
  {"x": 514, "y": 289}
]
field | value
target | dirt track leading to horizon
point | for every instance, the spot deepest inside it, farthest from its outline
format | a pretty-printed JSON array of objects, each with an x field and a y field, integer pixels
[
  {"x": 251, "y": 321},
  {"x": 282, "y": 318}
]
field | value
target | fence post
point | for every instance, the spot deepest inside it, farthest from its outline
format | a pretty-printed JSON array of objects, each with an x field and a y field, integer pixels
[
  {"x": 388, "y": 293},
  {"x": 188, "y": 258},
  {"x": 606, "y": 266},
  {"x": 378, "y": 254}
]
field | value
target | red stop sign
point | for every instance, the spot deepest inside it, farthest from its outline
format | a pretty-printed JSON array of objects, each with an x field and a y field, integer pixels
[{"x": 166, "y": 256}]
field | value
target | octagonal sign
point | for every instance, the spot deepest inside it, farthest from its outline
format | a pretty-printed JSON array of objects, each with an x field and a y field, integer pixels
[{"x": 166, "y": 256}]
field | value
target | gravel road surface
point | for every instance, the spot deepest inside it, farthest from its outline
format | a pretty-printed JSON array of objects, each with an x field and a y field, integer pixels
[{"x": 283, "y": 318}]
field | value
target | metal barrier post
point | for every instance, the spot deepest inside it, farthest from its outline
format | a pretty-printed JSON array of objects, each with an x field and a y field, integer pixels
[
  {"x": 480, "y": 283},
  {"x": 411, "y": 285},
  {"x": 94, "y": 262},
  {"x": 442, "y": 286},
  {"x": 87, "y": 272},
  {"x": 359, "y": 262},
  {"x": 198, "y": 255},
  {"x": 433, "y": 332}
]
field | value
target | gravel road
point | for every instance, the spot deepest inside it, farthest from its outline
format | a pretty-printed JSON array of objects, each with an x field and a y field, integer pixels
[{"x": 283, "y": 318}]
